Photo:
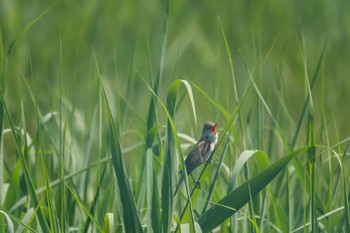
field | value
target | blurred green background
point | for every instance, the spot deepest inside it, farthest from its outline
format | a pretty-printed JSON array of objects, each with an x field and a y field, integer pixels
[
  {"x": 127, "y": 36},
  {"x": 279, "y": 41}
]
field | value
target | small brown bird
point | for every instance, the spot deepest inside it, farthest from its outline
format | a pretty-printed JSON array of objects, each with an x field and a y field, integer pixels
[{"x": 201, "y": 151}]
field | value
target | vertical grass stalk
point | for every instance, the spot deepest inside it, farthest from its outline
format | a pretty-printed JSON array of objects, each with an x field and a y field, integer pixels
[{"x": 129, "y": 212}]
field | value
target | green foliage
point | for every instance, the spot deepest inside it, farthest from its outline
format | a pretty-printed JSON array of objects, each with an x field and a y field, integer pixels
[
  {"x": 241, "y": 195},
  {"x": 129, "y": 213},
  {"x": 100, "y": 102},
  {"x": 109, "y": 223}
]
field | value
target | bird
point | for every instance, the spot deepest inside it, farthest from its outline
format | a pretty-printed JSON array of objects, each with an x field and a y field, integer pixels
[{"x": 201, "y": 151}]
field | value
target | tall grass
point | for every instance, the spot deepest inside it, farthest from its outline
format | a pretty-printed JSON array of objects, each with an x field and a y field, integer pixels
[{"x": 101, "y": 102}]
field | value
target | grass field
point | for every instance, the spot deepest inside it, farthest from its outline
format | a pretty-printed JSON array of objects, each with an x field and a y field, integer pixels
[{"x": 101, "y": 101}]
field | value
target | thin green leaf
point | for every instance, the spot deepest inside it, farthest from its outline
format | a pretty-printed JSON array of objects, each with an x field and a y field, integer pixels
[
  {"x": 306, "y": 103},
  {"x": 12, "y": 193},
  {"x": 230, "y": 61},
  {"x": 26, "y": 220},
  {"x": 62, "y": 189},
  {"x": 216, "y": 176},
  {"x": 27, "y": 176},
  {"x": 153, "y": 199},
  {"x": 94, "y": 202},
  {"x": 153, "y": 132},
  {"x": 51, "y": 208},
  {"x": 216, "y": 104},
  {"x": 109, "y": 223},
  {"x": 10, "y": 227},
  {"x": 168, "y": 177},
  {"x": 345, "y": 186},
  {"x": 235, "y": 200},
  {"x": 28, "y": 26},
  {"x": 190, "y": 94},
  {"x": 130, "y": 216},
  {"x": 312, "y": 163},
  {"x": 169, "y": 163},
  {"x": 185, "y": 228},
  {"x": 320, "y": 218},
  {"x": 297, "y": 164},
  {"x": 150, "y": 180},
  {"x": 242, "y": 160},
  {"x": 346, "y": 195},
  {"x": 84, "y": 208},
  {"x": 54, "y": 183}
]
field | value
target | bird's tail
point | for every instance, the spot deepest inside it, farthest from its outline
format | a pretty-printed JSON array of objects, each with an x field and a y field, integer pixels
[{"x": 180, "y": 182}]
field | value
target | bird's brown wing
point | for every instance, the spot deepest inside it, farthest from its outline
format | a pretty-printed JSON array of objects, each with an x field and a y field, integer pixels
[{"x": 195, "y": 157}]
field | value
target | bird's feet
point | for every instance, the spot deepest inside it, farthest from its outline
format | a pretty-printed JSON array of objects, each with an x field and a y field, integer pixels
[{"x": 209, "y": 161}]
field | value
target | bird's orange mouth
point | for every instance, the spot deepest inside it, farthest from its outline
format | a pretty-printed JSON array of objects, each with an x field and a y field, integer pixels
[{"x": 213, "y": 128}]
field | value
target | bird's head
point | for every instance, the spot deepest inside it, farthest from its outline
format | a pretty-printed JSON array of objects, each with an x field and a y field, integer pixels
[{"x": 209, "y": 131}]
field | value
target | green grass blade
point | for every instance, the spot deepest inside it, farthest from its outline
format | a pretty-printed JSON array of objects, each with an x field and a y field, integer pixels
[
  {"x": 152, "y": 114},
  {"x": 320, "y": 218},
  {"x": 62, "y": 146},
  {"x": 130, "y": 216},
  {"x": 169, "y": 162},
  {"x": 28, "y": 26},
  {"x": 62, "y": 189},
  {"x": 346, "y": 198},
  {"x": 242, "y": 160},
  {"x": 122, "y": 99},
  {"x": 24, "y": 224},
  {"x": 49, "y": 196},
  {"x": 311, "y": 143},
  {"x": 83, "y": 207},
  {"x": 312, "y": 168},
  {"x": 151, "y": 136},
  {"x": 153, "y": 199},
  {"x": 343, "y": 176},
  {"x": 289, "y": 204},
  {"x": 152, "y": 118},
  {"x": 216, "y": 104},
  {"x": 154, "y": 206},
  {"x": 240, "y": 196},
  {"x": 109, "y": 223},
  {"x": 168, "y": 174},
  {"x": 297, "y": 164},
  {"x": 2, "y": 78},
  {"x": 94, "y": 202},
  {"x": 190, "y": 94},
  {"x": 10, "y": 227},
  {"x": 149, "y": 178},
  {"x": 54, "y": 183},
  {"x": 278, "y": 128},
  {"x": 27, "y": 176},
  {"x": 185, "y": 228},
  {"x": 172, "y": 96},
  {"x": 307, "y": 101},
  {"x": 216, "y": 176},
  {"x": 12, "y": 193},
  {"x": 230, "y": 61},
  {"x": 26, "y": 221}
]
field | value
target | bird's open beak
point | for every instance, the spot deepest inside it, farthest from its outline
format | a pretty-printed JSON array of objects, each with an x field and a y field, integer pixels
[{"x": 214, "y": 127}]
